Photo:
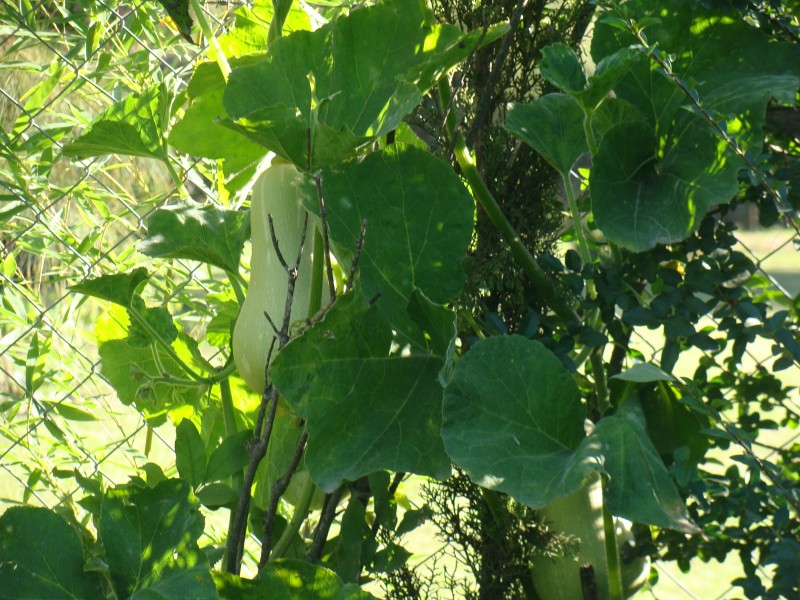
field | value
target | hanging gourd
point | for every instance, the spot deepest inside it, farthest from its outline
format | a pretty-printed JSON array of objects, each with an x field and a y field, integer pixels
[{"x": 279, "y": 192}]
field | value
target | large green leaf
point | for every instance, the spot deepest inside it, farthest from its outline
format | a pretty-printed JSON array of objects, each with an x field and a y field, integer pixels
[
  {"x": 642, "y": 197},
  {"x": 41, "y": 556},
  {"x": 150, "y": 540},
  {"x": 212, "y": 235},
  {"x": 513, "y": 420},
  {"x": 553, "y": 126},
  {"x": 368, "y": 404},
  {"x": 133, "y": 126},
  {"x": 145, "y": 322},
  {"x": 654, "y": 186},
  {"x": 252, "y": 23},
  {"x": 200, "y": 133},
  {"x": 145, "y": 376},
  {"x": 639, "y": 488},
  {"x": 119, "y": 288},
  {"x": 347, "y": 82},
  {"x": 288, "y": 579},
  {"x": 562, "y": 67},
  {"x": 419, "y": 226}
]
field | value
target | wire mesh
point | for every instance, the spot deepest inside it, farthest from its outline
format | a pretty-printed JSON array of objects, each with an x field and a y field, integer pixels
[{"x": 61, "y": 64}]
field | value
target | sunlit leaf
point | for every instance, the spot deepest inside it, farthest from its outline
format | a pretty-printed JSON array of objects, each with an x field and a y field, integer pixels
[
  {"x": 212, "y": 235},
  {"x": 419, "y": 226},
  {"x": 41, "y": 556},
  {"x": 134, "y": 126},
  {"x": 347, "y": 82},
  {"x": 367, "y": 405}
]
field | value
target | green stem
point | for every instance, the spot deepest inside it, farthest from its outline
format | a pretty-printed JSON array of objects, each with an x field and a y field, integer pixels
[
  {"x": 298, "y": 517},
  {"x": 164, "y": 345},
  {"x": 615, "y": 588},
  {"x": 148, "y": 441},
  {"x": 317, "y": 274},
  {"x": 236, "y": 285},
  {"x": 216, "y": 51},
  {"x": 587, "y": 130},
  {"x": 599, "y": 372},
  {"x": 176, "y": 179},
  {"x": 583, "y": 245},
  {"x": 484, "y": 197},
  {"x": 228, "y": 412}
]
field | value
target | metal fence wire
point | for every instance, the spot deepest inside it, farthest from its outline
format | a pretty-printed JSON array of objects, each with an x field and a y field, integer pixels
[{"x": 61, "y": 64}]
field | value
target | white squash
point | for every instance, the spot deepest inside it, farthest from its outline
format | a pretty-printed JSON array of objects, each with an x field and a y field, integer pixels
[
  {"x": 279, "y": 192},
  {"x": 580, "y": 515}
]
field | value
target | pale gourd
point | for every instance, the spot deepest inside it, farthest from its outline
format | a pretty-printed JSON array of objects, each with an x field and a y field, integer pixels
[
  {"x": 580, "y": 516},
  {"x": 279, "y": 192}
]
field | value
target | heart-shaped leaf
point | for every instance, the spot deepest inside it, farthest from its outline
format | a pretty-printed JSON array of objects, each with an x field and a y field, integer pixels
[
  {"x": 368, "y": 404},
  {"x": 346, "y": 83},
  {"x": 513, "y": 421},
  {"x": 553, "y": 126},
  {"x": 419, "y": 226}
]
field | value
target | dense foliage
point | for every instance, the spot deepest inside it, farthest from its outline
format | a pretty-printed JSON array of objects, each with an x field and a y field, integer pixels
[{"x": 429, "y": 322}]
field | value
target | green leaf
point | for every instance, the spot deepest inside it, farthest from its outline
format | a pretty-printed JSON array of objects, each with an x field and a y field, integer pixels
[
  {"x": 212, "y": 235},
  {"x": 654, "y": 185},
  {"x": 217, "y": 141},
  {"x": 190, "y": 453},
  {"x": 178, "y": 10},
  {"x": 643, "y": 195},
  {"x": 419, "y": 226},
  {"x": 733, "y": 66},
  {"x": 150, "y": 539},
  {"x": 252, "y": 24},
  {"x": 553, "y": 126},
  {"x": 639, "y": 487},
  {"x": 561, "y": 66},
  {"x": 217, "y": 495},
  {"x": 41, "y": 556},
  {"x": 229, "y": 457},
  {"x": 513, "y": 420},
  {"x": 146, "y": 377},
  {"x": 346, "y": 83},
  {"x": 367, "y": 405},
  {"x": 643, "y": 373},
  {"x": 288, "y": 579},
  {"x": 133, "y": 126},
  {"x": 119, "y": 288},
  {"x": 147, "y": 323}
]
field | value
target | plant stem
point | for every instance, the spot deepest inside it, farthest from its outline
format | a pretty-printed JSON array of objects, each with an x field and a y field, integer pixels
[
  {"x": 587, "y": 130},
  {"x": 299, "y": 515},
  {"x": 317, "y": 274},
  {"x": 163, "y": 343},
  {"x": 484, "y": 197},
  {"x": 236, "y": 285},
  {"x": 612, "y": 552},
  {"x": 229, "y": 416},
  {"x": 176, "y": 179},
  {"x": 577, "y": 223},
  {"x": 216, "y": 51}
]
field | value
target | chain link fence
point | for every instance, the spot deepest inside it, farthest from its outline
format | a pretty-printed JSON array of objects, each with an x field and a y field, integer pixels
[{"x": 61, "y": 64}]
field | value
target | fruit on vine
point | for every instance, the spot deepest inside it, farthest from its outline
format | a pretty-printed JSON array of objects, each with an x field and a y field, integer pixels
[
  {"x": 279, "y": 192},
  {"x": 580, "y": 516}
]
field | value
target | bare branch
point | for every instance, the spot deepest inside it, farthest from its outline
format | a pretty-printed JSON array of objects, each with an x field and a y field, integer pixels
[
  {"x": 324, "y": 525},
  {"x": 357, "y": 254},
  {"x": 326, "y": 246},
  {"x": 276, "y": 491}
]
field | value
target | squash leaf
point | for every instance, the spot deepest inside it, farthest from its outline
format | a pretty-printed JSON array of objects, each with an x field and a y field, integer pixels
[
  {"x": 346, "y": 83},
  {"x": 368, "y": 404}
]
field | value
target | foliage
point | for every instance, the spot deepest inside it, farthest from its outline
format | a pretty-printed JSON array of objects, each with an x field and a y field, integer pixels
[{"x": 423, "y": 357}]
